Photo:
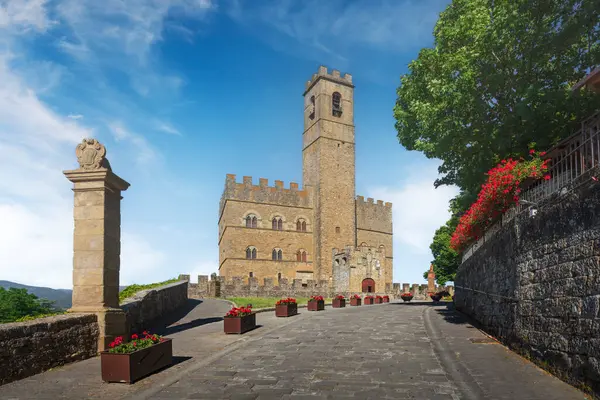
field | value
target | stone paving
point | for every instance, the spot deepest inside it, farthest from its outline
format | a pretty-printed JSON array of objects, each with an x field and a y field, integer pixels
[
  {"x": 389, "y": 351},
  {"x": 392, "y": 351}
]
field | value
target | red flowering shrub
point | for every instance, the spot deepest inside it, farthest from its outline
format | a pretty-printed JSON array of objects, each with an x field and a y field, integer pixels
[
  {"x": 238, "y": 312},
  {"x": 289, "y": 300},
  {"x": 406, "y": 294},
  {"x": 136, "y": 343},
  {"x": 316, "y": 298},
  {"x": 497, "y": 195},
  {"x": 340, "y": 297},
  {"x": 369, "y": 297},
  {"x": 355, "y": 296}
]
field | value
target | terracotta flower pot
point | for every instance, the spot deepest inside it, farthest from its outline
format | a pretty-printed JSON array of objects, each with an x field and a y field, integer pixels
[
  {"x": 355, "y": 302},
  {"x": 369, "y": 301},
  {"x": 128, "y": 368},
  {"x": 286, "y": 310},
  {"x": 335, "y": 303},
  {"x": 239, "y": 325},
  {"x": 317, "y": 305}
]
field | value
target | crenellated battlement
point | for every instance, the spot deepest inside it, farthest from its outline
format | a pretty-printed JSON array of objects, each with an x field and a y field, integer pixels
[
  {"x": 246, "y": 190},
  {"x": 334, "y": 76},
  {"x": 360, "y": 200},
  {"x": 373, "y": 216}
]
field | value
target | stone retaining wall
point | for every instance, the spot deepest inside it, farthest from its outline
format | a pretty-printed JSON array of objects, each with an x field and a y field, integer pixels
[
  {"x": 536, "y": 286},
  {"x": 28, "y": 348},
  {"x": 147, "y": 306}
]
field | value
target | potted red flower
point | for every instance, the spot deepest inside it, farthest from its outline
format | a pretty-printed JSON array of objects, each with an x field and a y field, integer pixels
[
  {"x": 435, "y": 296},
  {"x": 386, "y": 299},
  {"x": 286, "y": 307},
  {"x": 129, "y": 361},
  {"x": 355, "y": 300},
  {"x": 316, "y": 303},
  {"x": 406, "y": 296},
  {"x": 239, "y": 320},
  {"x": 368, "y": 300},
  {"x": 338, "y": 302},
  {"x": 378, "y": 299}
]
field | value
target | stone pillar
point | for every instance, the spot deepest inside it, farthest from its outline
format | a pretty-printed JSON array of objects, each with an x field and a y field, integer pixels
[
  {"x": 431, "y": 280},
  {"x": 97, "y": 240}
]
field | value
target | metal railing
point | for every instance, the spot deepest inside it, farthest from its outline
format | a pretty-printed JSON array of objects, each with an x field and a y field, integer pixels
[{"x": 572, "y": 159}]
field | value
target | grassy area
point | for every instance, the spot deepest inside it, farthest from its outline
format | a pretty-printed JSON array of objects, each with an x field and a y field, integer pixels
[
  {"x": 264, "y": 302},
  {"x": 32, "y": 317},
  {"x": 133, "y": 289}
]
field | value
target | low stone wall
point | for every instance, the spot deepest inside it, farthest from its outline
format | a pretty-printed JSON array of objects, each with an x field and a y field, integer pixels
[
  {"x": 28, "y": 348},
  {"x": 249, "y": 287},
  {"x": 536, "y": 286},
  {"x": 147, "y": 306}
]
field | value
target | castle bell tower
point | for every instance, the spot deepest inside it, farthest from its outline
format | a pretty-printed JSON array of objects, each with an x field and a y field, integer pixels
[{"x": 328, "y": 155}]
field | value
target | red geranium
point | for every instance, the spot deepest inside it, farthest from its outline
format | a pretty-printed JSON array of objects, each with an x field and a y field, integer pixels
[
  {"x": 316, "y": 298},
  {"x": 289, "y": 300},
  {"x": 497, "y": 195},
  {"x": 407, "y": 294},
  {"x": 339, "y": 297},
  {"x": 355, "y": 296},
  {"x": 238, "y": 312},
  {"x": 369, "y": 297},
  {"x": 379, "y": 297},
  {"x": 120, "y": 346}
]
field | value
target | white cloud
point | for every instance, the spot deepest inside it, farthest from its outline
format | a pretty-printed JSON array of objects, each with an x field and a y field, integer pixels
[
  {"x": 206, "y": 267},
  {"x": 145, "y": 152},
  {"x": 23, "y": 15},
  {"x": 391, "y": 25},
  {"x": 36, "y": 217},
  {"x": 167, "y": 128},
  {"x": 418, "y": 208}
]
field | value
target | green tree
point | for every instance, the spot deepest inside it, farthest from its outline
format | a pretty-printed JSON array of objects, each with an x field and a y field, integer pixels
[
  {"x": 18, "y": 303},
  {"x": 497, "y": 81}
]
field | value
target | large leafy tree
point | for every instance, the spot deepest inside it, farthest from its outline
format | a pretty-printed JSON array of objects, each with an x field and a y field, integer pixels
[
  {"x": 18, "y": 303},
  {"x": 497, "y": 81}
]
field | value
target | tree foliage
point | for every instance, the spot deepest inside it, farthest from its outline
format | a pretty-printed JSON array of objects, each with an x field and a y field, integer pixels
[
  {"x": 17, "y": 304},
  {"x": 496, "y": 82}
]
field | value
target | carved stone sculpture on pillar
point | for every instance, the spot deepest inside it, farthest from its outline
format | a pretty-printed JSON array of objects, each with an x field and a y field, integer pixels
[{"x": 97, "y": 240}]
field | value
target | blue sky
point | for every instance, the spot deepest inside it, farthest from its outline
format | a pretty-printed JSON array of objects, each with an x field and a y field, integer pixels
[{"x": 182, "y": 92}]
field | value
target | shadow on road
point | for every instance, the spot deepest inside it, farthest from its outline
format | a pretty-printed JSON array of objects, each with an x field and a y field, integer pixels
[
  {"x": 188, "y": 325},
  {"x": 449, "y": 313}
]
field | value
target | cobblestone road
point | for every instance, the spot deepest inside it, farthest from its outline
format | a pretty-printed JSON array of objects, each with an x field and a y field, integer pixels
[{"x": 390, "y": 351}]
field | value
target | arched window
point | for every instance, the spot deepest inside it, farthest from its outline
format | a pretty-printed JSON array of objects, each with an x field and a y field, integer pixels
[
  {"x": 299, "y": 256},
  {"x": 303, "y": 226},
  {"x": 311, "y": 114},
  {"x": 298, "y": 225},
  {"x": 251, "y": 221},
  {"x": 277, "y": 224},
  {"x": 303, "y": 256},
  {"x": 251, "y": 253},
  {"x": 336, "y": 104},
  {"x": 274, "y": 255},
  {"x": 251, "y": 275},
  {"x": 279, "y": 276},
  {"x": 279, "y": 255}
]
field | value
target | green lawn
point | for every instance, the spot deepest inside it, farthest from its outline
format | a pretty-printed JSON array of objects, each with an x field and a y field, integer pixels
[
  {"x": 264, "y": 302},
  {"x": 133, "y": 289}
]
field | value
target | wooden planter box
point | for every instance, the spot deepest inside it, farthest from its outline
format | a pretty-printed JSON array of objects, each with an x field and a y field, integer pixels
[
  {"x": 239, "y": 325},
  {"x": 386, "y": 299},
  {"x": 407, "y": 298},
  {"x": 316, "y": 305},
  {"x": 355, "y": 302},
  {"x": 286, "y": 310},
  {"x": 368, "y": 301},
  {"x": 338, "y": 303},
  {"x": 378, "y": 301},
  {"x": 128, "y": 368}
]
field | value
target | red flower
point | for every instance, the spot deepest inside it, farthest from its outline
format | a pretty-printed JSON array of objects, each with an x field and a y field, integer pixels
[
  {"x": 532, "y": 151},
  {"x": 134, "y": 336},
  {"x": 547, "y": 177}
]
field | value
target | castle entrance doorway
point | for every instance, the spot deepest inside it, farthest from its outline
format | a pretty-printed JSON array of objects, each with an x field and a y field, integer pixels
[{"x": 368, "y": 285}]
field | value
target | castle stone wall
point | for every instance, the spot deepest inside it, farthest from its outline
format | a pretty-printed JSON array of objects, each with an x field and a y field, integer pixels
[
  {"x": 536, "y": 286},
  {"x": 268, "y": 287},
  {"x": 28, "y": 348},
  {"x": 147, "y": 306}
]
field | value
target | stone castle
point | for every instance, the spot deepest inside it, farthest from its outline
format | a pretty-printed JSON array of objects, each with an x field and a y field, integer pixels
[{"x": 323, "y": 232}]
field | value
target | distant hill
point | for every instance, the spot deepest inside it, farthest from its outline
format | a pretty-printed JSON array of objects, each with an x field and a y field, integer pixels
[{"x": 60, "y": 297}]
